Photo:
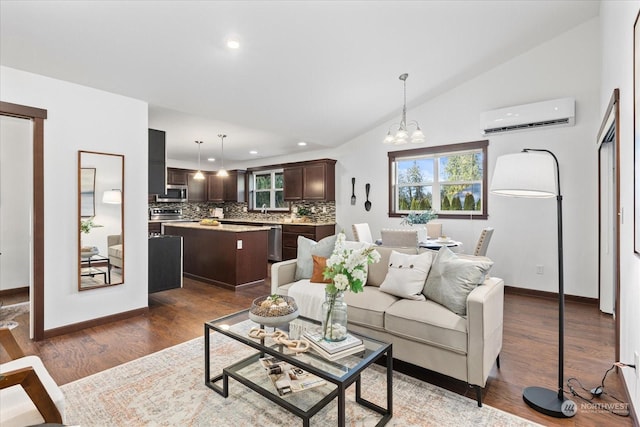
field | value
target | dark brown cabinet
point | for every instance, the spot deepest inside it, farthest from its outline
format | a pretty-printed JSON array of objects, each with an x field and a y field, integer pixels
[
  {"x": 157, "y": 161},
  {"x": 290, "y": 233},
  {"x": 215, "y": 188},
  {"x": 196, "y": 188},
  {"x": 226, "y": 189},
  {"x": 176, "y": 176},
  {"x": 310, "y": 181}
]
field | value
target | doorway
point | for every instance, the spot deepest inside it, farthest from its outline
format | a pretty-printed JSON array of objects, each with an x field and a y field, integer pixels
[
  {"x": 36, "y": 296},
  {"x": 608, "y": 145}
]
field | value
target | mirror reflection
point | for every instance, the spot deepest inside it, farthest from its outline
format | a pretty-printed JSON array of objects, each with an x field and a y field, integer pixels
[{"x": 100, "y": 213}]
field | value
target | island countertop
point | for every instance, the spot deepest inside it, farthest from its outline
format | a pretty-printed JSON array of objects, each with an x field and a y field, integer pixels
[{"x": 233, "y": 228}]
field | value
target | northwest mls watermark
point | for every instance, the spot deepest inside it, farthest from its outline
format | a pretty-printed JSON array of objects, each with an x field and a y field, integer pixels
[{"x": 570, "y": 408}]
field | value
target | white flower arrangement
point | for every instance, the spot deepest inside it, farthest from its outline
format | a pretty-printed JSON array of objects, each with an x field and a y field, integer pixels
[{"x": 347, "y": 267}]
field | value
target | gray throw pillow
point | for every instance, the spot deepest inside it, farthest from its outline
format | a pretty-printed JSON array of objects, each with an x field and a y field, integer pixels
[
  {"x": 452, "y": 279},
  {"x": 307, "y": 248}
]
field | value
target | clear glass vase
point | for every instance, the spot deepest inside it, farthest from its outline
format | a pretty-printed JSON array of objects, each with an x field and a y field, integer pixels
[{"x": 334, "y": 317}]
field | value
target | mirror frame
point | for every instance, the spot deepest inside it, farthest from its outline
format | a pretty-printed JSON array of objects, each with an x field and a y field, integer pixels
[{"x": 80, "y": 218}]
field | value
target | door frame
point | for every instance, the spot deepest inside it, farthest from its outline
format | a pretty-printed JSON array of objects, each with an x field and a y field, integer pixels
[
  {"x": 37, "y": 116},
  {"x": 612, "y": 113}
]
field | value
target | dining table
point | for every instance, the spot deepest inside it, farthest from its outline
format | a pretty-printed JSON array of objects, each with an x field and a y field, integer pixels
[{"x": 438, "y": 243}]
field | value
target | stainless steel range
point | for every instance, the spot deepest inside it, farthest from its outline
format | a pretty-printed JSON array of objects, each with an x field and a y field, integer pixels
[{"x": 168, "y": 214}]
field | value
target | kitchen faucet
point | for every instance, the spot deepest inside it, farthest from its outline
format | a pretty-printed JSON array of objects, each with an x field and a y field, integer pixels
[{"x": 264, "y": 208}]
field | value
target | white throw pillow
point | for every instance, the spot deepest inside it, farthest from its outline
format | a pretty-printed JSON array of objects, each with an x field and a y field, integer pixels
[
  {"x": 452, "y": 279},
  {"x": 308, "y": 247},
  {"x": 406, "y": 275}
]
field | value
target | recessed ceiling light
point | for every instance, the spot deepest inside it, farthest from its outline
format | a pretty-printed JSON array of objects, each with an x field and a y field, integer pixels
[
  {"x": 302, "y": 143},
  {"x": 253, "y": 152},
  {"x": 211, "y": 159},
  {"x": 233, "y": 43}
]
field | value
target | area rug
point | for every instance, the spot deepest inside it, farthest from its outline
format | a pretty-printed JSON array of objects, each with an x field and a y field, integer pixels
[
  {"x": 167, "y": 389},
  {"x": 10, "y": 312}
]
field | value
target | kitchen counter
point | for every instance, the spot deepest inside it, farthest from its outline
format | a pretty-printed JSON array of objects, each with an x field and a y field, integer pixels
[
  {"x": 226, "y": 255},
  {"x": 274, "y": 222},
  {"x": 232, "y": 228}
]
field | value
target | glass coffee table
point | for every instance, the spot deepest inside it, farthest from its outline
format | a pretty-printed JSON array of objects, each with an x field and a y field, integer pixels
[{"x": 338, "y": 375}]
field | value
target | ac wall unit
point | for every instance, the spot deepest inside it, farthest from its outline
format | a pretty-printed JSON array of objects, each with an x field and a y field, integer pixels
[{"x": 557, "y": 112}]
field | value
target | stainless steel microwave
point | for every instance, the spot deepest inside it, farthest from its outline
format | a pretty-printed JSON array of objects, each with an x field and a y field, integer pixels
[{"x": 174, "y": 193}]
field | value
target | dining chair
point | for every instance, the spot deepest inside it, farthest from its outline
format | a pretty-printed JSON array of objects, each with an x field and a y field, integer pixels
[
  {"x": 399, "y": 238},
  {"x": 483, "y": 241},
  {"x": 362, "y": 233},
  {"x": 28, "y": 394},
  {"x": 434, "y": 230}
]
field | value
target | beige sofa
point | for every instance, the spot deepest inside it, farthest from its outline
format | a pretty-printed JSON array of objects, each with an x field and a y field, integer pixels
[
  {"x": 114, "y": 244},
  {"x": 423, "y": 333}
]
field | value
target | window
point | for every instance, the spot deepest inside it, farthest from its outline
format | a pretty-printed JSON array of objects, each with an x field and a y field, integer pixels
[
  {"x": 449, "y": 179},
  {"x": 269, "y": 190}
]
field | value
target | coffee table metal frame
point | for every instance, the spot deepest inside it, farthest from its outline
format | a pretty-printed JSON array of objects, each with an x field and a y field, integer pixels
[
  {"x": 351, "y": 375},
  {"x": 88, "y": 270}
]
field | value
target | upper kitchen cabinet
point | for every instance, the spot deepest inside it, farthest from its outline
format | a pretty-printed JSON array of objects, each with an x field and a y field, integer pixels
[
  {"x": 157, "y": 161},
  {"x": 196, "y": 188},
  {"x": 226, "y": 189},
  {"x": 314, "y": 180},
  {"x": 176, "y": 176}
]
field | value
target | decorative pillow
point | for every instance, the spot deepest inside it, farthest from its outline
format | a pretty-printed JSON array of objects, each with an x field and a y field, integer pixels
[
  {"x": 308, "y": 247},
  {"x": 406, "y": 275},
  {"x": 319, "y": 263},
  {"x": 452, "y": 279}
]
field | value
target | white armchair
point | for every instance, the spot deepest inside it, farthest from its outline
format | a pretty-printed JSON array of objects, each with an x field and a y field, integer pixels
[{"x": 28, "y": 394}]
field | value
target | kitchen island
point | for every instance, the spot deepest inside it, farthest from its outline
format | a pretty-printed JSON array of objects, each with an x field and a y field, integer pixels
[{"x": 226, "y": 255}]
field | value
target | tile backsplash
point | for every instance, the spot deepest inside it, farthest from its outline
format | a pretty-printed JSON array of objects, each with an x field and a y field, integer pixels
[{"x": 324, "y": 211}]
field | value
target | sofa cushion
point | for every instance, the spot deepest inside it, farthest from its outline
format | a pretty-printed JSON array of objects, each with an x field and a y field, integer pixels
[
  {"x": 115, "y": 251},
  {"x": 451, "y": 279},
  {"x": 367, "y": 308},
  {"x": 406, "y": 275},
  {"x": 319, "y": 264},
  {"x": 378, "y": 271},
  {"x": 308, "y": 247},
  {"x": 427, "y": 322}
]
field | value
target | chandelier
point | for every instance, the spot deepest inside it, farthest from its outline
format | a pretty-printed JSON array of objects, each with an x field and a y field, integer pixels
[
  {"x": 222, "y": 172},
  {"x": 199, "y": 175},
  {"x": 398, "y": 132}
]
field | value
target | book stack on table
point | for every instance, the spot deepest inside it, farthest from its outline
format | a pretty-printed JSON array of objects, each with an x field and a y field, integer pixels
[{"x": 334, "y": 350}]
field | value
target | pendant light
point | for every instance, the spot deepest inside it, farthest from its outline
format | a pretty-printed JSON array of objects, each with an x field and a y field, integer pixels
[
  {"x": 222, "y": 171},
  {"x": 199, "y": 175},
  {"x": 400, "y": 133}
]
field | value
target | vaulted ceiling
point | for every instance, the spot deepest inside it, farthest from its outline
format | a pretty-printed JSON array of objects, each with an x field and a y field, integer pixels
[{"x": 321, "y": 72}]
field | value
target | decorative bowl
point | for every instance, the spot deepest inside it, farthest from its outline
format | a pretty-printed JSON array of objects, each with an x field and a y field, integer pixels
[{"x": 273, "y": 310}]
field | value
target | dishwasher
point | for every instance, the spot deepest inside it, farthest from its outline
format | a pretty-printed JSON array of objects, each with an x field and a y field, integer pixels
[{"x": 275, "y": 243}]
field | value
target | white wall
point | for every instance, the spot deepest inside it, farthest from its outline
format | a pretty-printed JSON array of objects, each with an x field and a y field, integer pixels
[
  {"x": 82, "y": 118},
  {"x": 525, "y": 234},
  {"x": 16, "y": 177},
  {"x": 617, "y": 19}
]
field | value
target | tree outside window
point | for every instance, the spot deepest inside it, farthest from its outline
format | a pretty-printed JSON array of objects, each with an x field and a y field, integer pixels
[
  {"x": 269, "y": 190},
  {"x": 448, "y": 179}
]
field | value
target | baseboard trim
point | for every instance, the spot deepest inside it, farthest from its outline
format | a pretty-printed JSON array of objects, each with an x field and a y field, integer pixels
[
  {"x": 13, "y": 291},
  {"x": 75, "y": 327},
  {"x": 549, "y": 295}
]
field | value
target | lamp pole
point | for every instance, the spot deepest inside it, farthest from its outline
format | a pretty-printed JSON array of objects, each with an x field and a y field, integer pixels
[{"x": 537, "y": 397}]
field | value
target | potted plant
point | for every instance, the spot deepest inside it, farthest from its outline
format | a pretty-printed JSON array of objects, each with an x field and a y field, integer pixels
[
  {"x": 85, "y": 227},
  {"x": 303, "y": 213},
  {"x": 419, "y": 217}
]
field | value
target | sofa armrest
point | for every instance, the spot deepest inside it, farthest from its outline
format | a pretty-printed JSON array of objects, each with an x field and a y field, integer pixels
[
  {"x": 485, "y": 310},
  {"x": 282, "y": 273}
]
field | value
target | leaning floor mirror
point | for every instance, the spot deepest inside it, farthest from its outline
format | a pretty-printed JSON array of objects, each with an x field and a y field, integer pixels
[{"x": 100, "y": 218}]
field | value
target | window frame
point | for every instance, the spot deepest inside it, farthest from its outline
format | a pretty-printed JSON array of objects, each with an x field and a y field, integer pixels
[
  {"x": 451, "y": 149},
  {"x": 272, "y": 197}
]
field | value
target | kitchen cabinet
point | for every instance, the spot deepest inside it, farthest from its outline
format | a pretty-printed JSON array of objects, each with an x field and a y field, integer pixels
[
  {"x": 313, "y": 180},
  {"x": 215, "y": 188},
  {"x": 226, "y": 189},
  {"x": 155, "y": 227},
  {"x": 177, "y": 176},
  {"x": 290, "y": 233},
  {"x": 196, "y": 188},
  {"x": 157, "y": 161}
]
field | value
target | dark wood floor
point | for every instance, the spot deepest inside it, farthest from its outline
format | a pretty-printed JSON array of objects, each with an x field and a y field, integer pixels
[{"x": 529, "y": 355}]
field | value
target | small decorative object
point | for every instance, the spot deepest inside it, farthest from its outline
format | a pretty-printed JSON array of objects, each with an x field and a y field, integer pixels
[
  {"x": 209, "y": 222},
  {"x": 347, "y": 270},
  {"x": 273, "y": 310},
  {"x": 419, "y": 217},
  {"x": 280, "y": 337},
  {"x": 303, "y": 213},
  {"x": 87, "y": 224}
]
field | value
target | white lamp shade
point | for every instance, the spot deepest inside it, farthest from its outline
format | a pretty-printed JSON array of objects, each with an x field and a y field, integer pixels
[
  {"x": 526, "y": 174},
  {"x": 112, "y": 197}
]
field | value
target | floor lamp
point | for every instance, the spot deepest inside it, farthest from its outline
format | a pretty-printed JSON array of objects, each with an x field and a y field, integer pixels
[{"x": 535, "y": 173}]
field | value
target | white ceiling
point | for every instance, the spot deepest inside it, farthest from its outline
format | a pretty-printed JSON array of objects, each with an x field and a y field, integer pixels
[{"x": 316, "y": 71}]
